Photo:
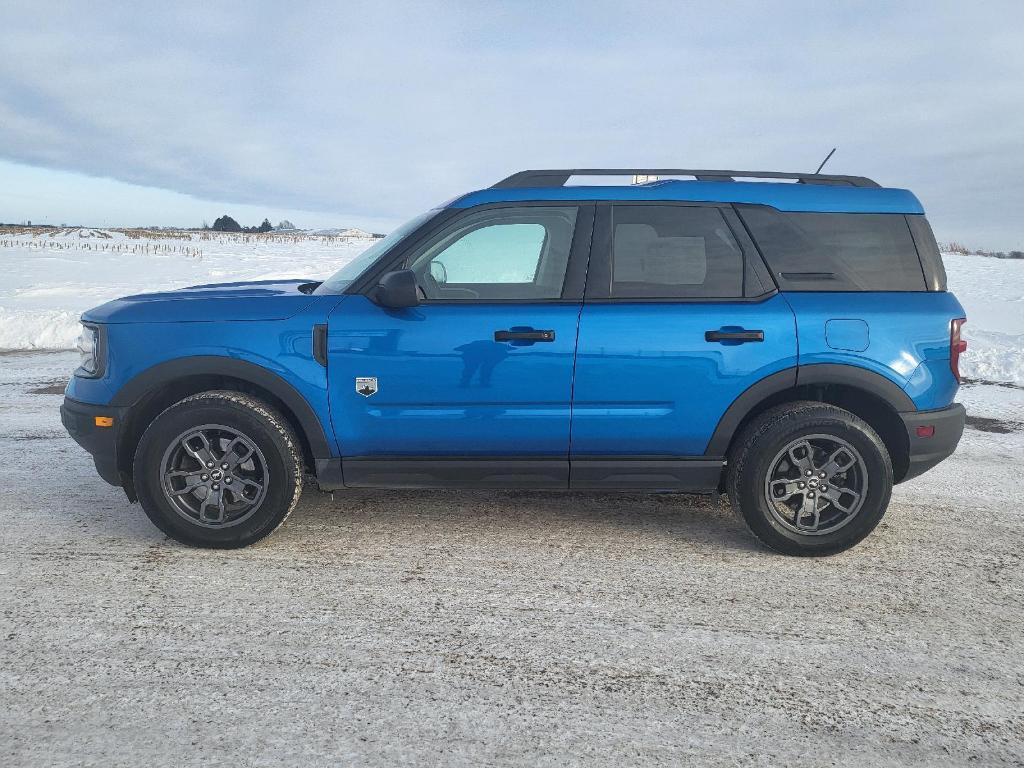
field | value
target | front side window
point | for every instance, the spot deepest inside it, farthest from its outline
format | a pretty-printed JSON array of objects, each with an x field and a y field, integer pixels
[
  {"x": 502, "y": 253},
  {"x": 668, "y": 251}
]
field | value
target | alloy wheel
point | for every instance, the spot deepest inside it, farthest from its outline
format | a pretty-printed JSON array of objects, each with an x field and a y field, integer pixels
[
  {"x": 816, "y": 484},
  {"x": 214, "y": 476}
]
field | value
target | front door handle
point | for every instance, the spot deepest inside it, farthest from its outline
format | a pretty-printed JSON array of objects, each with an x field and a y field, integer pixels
[
  {"x": 739, "y": 336},
  {"x": 525, "y": 335}
]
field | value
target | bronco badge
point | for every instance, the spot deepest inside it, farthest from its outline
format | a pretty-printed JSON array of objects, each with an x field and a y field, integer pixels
[{"x": 366, "y": 385}]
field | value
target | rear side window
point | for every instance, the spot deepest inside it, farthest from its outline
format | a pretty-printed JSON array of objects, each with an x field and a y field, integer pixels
[
  {"x": 665, "y": 251},
  {"x": 836, "y": 251}
]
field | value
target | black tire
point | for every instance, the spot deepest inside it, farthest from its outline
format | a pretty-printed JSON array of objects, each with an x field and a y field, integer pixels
[
  {"x": 211, "y": 419},
  {"x": 762, "y": 448}
]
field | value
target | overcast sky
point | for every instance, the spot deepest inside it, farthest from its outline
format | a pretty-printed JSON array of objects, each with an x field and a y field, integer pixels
[{"x": 366, "y": 113}]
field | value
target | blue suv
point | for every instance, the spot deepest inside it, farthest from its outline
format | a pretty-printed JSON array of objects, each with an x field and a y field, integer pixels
[{"x": 788, "y": 341}]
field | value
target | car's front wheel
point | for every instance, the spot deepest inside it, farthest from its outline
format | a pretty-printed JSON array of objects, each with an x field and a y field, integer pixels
[
  {"x": 809, "y": 478},
  {"x": 218, "y": 469}
]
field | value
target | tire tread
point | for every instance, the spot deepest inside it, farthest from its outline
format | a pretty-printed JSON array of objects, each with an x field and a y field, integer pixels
[
  {"x": 272, "y": 419},
  {"x": 744, "y": 451}
]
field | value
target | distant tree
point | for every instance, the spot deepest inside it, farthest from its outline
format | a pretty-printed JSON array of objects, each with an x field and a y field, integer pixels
[
  {"x": 226, "y": 224},
  {"x": 206, "y": 224},
  {"x": 285, "y": 224},
  {"x": 266, "y": 226}
]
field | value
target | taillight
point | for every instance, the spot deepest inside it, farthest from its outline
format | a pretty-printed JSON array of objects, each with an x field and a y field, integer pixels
[{"x": 957, "y": 346}]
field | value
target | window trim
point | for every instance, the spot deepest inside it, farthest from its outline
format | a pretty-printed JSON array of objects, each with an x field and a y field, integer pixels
[
  {"x": 599, "y": 278},
  {"x": 575, "y": 270}
]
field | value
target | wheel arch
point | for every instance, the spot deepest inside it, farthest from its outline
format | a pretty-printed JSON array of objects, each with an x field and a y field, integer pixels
[
  {"x": 868, "y": 395},
  {"x": 153, "y": 390}
]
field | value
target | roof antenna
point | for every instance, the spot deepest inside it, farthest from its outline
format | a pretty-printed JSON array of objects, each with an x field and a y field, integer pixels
[{"x": 827, "y": 158}]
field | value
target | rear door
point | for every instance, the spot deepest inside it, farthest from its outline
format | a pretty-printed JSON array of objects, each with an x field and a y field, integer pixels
[
  {"x": 474, "y": 385},
  {"x": 680, "y": 317}
]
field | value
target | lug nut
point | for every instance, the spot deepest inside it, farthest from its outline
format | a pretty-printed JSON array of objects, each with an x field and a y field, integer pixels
[
  {"x": 801, "y": 484},
  {"x": 216, "y": 487},
  {"x": 809, "y": 495},
  {"x": 204, "y": 478},
  {"x": 225, "y": 466},
  {"x": 227, "y": 481},
  {"x": 209, "y": 465},
  {"x": 821, "y": 474},
  {"x": 809, "y": 473},
  {"x": 824, "y": 489}
]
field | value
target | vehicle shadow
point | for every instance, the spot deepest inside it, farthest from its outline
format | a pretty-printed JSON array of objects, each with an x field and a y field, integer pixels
[{"x": 666, "y": 517}]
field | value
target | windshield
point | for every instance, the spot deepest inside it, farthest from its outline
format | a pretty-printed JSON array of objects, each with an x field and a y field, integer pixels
[{"x": 341, "y": 279}]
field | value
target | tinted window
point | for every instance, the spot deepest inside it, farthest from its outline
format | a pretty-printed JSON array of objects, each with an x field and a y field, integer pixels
[
  {"x": 928, "y": 250},
  {"x": 665, "y": 251},
  {"x": 836, "y": 251},
  {"x": 503, "y": 253}
]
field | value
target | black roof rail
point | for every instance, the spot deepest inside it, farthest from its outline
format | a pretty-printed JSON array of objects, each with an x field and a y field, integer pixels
[{"x": 557, "y": 178}]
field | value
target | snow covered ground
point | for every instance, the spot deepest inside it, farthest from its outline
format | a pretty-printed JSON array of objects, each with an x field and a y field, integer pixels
[
  {"x": 505, "y": 628},
  {"x": 50, "y": 278}
]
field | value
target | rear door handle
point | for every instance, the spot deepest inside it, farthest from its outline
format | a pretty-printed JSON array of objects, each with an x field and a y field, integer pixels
[
  {"x": 738, "y": 336},
  {"x": 530, "y": 335}
]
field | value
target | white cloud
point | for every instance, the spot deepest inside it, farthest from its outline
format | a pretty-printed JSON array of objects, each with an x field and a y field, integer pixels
[{"x": 383, "y": 109}]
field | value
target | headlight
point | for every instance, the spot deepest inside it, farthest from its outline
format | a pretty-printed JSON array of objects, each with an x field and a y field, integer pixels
[{"x": 88, "y": 347}]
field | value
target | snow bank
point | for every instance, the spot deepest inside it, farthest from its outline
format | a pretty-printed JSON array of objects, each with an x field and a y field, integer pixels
[
  {"x": 993, "y": 356},
  {"x": 38, "y": 329},
  {"x": 992, "y": 293}
]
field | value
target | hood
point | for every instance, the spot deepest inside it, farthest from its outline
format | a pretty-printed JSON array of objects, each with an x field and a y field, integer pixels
[{"x": 260, "y": 300}]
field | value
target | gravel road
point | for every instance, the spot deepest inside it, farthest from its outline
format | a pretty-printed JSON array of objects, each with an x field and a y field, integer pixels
[{"x": 504, "y": 628}]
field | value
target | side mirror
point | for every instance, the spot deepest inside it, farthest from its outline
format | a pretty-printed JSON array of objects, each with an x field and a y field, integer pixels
[{"x": 397, "y": 289}]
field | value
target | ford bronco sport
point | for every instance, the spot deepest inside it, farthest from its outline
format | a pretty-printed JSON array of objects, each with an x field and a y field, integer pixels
[{"x": 789, "y": 341}]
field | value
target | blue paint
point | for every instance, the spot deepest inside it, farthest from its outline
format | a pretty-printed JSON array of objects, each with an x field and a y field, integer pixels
[
  {"x": 907, "y": 329},
  {"x": 261, "y": 300}
]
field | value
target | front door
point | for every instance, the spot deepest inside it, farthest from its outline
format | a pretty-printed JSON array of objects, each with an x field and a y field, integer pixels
[{"x": 474, "y": 385}]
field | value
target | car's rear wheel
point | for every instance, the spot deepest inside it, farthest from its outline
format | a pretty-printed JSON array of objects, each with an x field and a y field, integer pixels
[
  {"x": 218, "y": 469},
  {"x": 809, "y": 478}
]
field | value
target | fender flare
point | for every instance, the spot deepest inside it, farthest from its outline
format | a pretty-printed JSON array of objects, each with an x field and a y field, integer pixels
[
  {"x": 852, "y": 376},
  {"x": 202, "y": 365}
]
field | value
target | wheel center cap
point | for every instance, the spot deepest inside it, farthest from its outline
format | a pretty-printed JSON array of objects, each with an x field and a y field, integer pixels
[
  {"x": 216, "y": 474},
  {"x": 812, "y": 483}
]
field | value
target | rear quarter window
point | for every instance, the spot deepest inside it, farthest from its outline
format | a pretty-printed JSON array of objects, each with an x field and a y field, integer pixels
[{"x": 836, "y": 251}]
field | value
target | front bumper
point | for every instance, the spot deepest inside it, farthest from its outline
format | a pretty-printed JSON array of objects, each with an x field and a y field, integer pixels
[
  {"x": 79, "y": 420},
  {"x": 926, "y": 452}
]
